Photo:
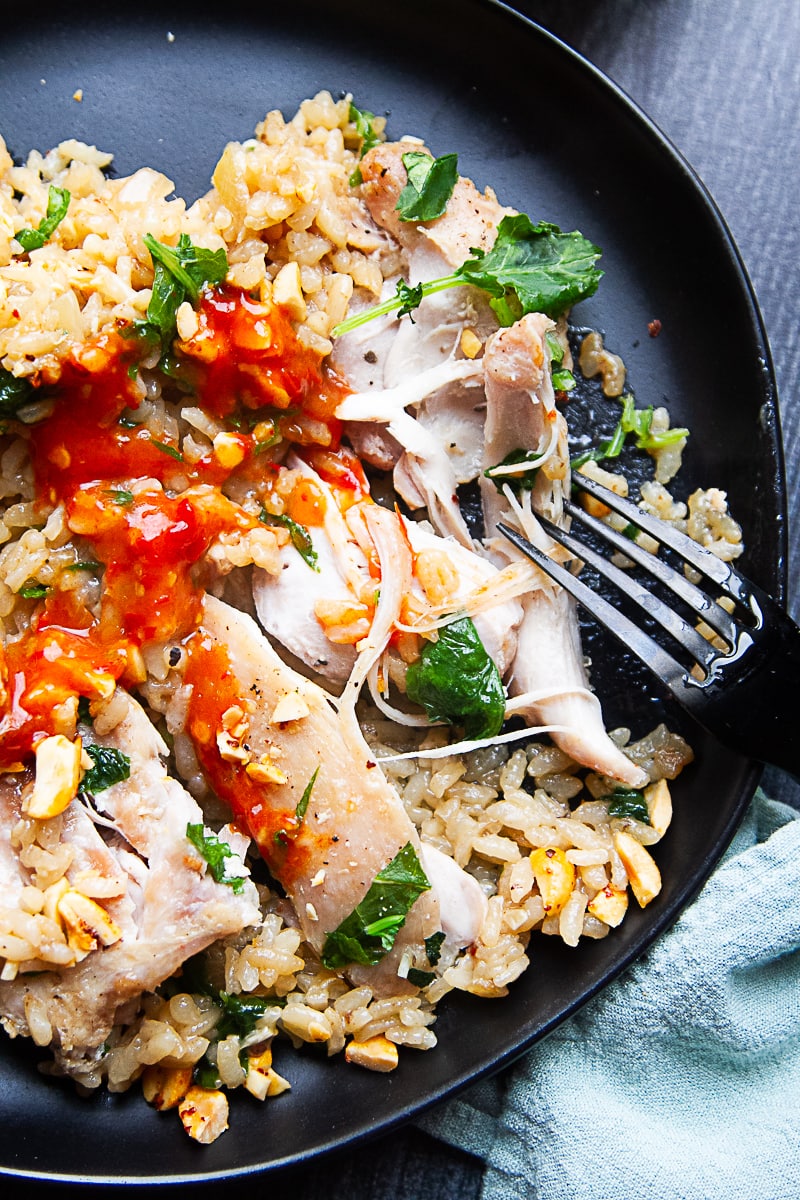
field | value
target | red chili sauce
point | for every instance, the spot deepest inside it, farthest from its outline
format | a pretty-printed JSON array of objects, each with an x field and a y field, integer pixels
[{"x": 244, "y": 366}]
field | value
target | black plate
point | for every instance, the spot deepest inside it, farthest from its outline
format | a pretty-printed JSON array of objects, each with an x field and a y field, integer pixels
[{"x": 557, "y": 140}]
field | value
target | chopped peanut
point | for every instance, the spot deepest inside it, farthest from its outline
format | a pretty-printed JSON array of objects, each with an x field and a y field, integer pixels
[
  {"x": 644, "y": 875},
  {"x": 265, "y": 771},
  {"x": 165, "y": 1087},
  {"x": 86, "y": 923},
  {"x": 230, "y": 750},
  {"x": 58, "y": 776},
  {"x": 659, "y": 805},
  {"x": 555, "y": 878},
  {"x": 609, "y": 905},
  {"x": 376, "y": 1054},
  {"x": 291, "y": 707},
  {"x": 204, "y": 1114},
  {"x": 287, "y": 291},
  {"x": 471, "y": 344},
  {"x": 261, "y": 1079},
  {"x": 615, "y": 483}
]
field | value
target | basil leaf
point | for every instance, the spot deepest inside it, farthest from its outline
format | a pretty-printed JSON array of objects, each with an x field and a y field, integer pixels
[
  {"x": 627, "y": 802},
  {"x": 543, "y": 269},
  {"x": 57, "y": 205},
  {"x": 14, "y": 392},
  {"x": 430, "y": 186},
  {"x": 110, "y": 766},
  {"x": 301, "y": 538},
  {"x": 456, "y": 681},
  {"x": 214, "y": 851},
  {"x": 369, "y": 932}
]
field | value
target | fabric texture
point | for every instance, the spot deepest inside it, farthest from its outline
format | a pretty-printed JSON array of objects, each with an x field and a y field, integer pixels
[{"x": 682, "y": 1080}]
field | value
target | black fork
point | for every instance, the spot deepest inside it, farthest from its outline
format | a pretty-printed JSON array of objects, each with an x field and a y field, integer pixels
[{"x": 748, "y": 693}]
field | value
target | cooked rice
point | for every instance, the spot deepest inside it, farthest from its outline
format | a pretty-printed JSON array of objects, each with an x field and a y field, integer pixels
[{"x": 282, "y": 207}]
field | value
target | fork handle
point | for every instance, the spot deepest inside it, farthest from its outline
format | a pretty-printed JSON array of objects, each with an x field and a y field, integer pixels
[{"x": 761, "y": 711}]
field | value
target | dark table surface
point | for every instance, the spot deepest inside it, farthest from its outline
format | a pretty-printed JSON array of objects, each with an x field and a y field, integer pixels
[{"x": 721, "y": 78}]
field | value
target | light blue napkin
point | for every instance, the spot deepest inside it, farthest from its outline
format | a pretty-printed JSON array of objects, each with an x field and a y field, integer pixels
[{"x": 682, "y": 1080}]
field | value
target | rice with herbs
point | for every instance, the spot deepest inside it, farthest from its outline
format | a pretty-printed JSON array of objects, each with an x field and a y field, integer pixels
[{"x": 551, "y": 853}]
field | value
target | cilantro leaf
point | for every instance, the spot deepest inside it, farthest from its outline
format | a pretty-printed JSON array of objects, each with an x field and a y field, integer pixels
[
  {"x": 180, "y": 272},
  {"x": 15, "y": 391},
  {"x": 530, "y": 268},
  {"x": 456, "y": 681},
  {"x": 214, "y": 851},
  {"x": 430, "y": 185},
  {"x": 542, "y": 268},
  {"x": 369, "y": 932},
  {"x": 110, "y": 766},
  {"x": 57, "y": 205},
  {"x": 301, "y": 538},
  {"x": 411, "y": 297},
  {"x": 628, "y": 802},
  {"x": 242, "y": 1012}
]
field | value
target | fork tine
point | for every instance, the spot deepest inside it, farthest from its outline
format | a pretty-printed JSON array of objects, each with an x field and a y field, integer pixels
[
  {"x": 698, "y": 646},
  {"x": 698, "y": 556},
  {"x": 668, "y": 669},
  {"x": 703, "y": 605}
]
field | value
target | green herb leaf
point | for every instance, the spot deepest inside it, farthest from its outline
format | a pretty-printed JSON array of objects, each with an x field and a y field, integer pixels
[
  {"x": 302, "y": 804},
  {"x": 170, "y": 450},
  {"x": 242, "y": 1012},
  {"x": 179, "y": 272},
  {"x": 120, "y": 496},
  {"x": 214, "y": 851},
  {"x": 410, "y": 297},
  {"x": 627, "y": 802},
  {"x": 563, "y": 381},
  {"x": 365, "y": 128},
  {"x": 83, "y": 711},
  {"x": 419, "y": 978},
  {"x": 430, "y": 185},
  {"x": 433, "y": 947},
  {"x": 530, "y": 268},
  {"x": 456, "y": 681},
  {"x": 110, "y": 766},
  {"x": 369, "y": 932},
  {"x": 15, "y": 391},
  {"x": 301, "y": 538},
  {"x": 634, "y": 421},
  {"x": 33, "y": 590},
  {"x": 86, "y": 565},
  {"x": 544, "y": 269},
  {"x": 521, "y": 482},
  {"x": 57, "y": 205}
]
